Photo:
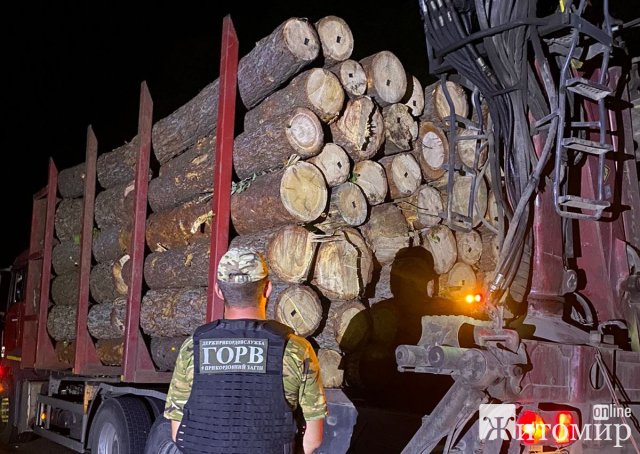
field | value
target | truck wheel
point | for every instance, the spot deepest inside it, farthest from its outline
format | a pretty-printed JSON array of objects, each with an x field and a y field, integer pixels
[
  {"x": 159, "y": 441},
  {"x": 121, "y": 426}
]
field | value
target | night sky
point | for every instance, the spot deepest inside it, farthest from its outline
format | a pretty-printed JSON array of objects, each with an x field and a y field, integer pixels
[{"x": 66, "y": 67}]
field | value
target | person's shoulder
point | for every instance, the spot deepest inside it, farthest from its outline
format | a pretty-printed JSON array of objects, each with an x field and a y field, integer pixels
[{"x": 297, "y": 346}]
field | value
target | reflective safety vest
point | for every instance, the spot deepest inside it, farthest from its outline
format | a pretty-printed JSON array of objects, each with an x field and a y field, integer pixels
[{"x": 237, "y": 403}]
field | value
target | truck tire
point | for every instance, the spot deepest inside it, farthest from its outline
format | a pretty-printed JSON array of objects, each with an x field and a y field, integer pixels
[
  {"x": 121, "y": 426},
  {"x": 159, "y": 441},
  {"x": 156, "y": 406}
]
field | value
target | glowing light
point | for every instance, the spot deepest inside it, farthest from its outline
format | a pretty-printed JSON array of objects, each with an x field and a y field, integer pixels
[
  {"x": 43, "y": 416},
  {"x": 562, "y": 432},
  {"x": 531, "y": 426},
  {"x": 469, "y": 299}
]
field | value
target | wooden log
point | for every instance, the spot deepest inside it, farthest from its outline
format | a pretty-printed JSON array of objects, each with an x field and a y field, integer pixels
[
  {"x": 334, "y": 164},
  {"x": 347, "y": 207},
  {"x": 490, "y": 252},
  {"x": 110, "y": 351},
  {"x": 65, "y": 351},
  {"x": 459, "y": 282},
  {"x": 385, "y": 319},
  {"x": 68, "y": 219},
  {"x": 400, "y": 129},
  {"x": 386, "y": 232},
  {"x": 114, "y": 206},
  {"x": 414, "y": 96},
  {"x": 336, "y": 39},
  {"x": 316, "y": 89},
  {"x": 380, "y": 288},
  {"x": 336, "y": 270},
  {"x": 106, "y": 281},
  {"x": 386, "y": 78},
  {"x": 272, "y": 143},
  {"x": 360, "y": 129},
  {"x": 190, "y": 177},
  {"x": 436, "y": 107},
  {"x": 118, "y": 166},
  {"x": 403, "y": 174},
  {"x": 274, "y": 60},
  {"x": 173, "y": 312},
  {"x": 64, "y": 288},
  {"x": 299, "y": 307},
  {"x": 440, "y": 241},
  {"x": 492, "y": 215},
  {"x": 290, "y": 252},
  {"x": 257, "y": 241},
  {"x": 351, "y": 324},
  {"x": 422, "y": 209},
  {"x": 66, "y": 256},
  {"x": 365, "y": 255},
  {"x": 296, "y": 194},
  {"x": 467, "y": 149},
  {"x": 432, "y": 150},
  {"x": 462, "y": 187},
  {"x": 180, "y": 225},
  {"x": 372, "y": 179},
  {"x": 330, "y": 368},
  {"x": 351, "y": 76},
  {"x": 164, "y": 351},
  {"x": 61, "y": 323},
  {"x": 469, "y": 247},
  {"x": 183, "y": 266},
  {"x": 107, "y": 320},
  {"x": 111, "y": 243},
  {"x": 71, "y": 181}
]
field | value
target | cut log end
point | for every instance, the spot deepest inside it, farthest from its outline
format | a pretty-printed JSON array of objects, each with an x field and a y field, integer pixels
[
  {"x": 336, "y": 38},
  {"x": 414, "y": 97},
  {"x": 360, "y": 130},
  {"x": 386, "y": 78},
  {"x": 406, "y": 175},
  {"x": 352, "y": 77},
  {"x": 462, "y": 189},
  {"x": 467, "y": 149},
  {"x": 400, "y": 129},
  {"x": 301, "y": 39},
  {"x": 441, "y": 242},
  {"x": 458, "y": 96},
  {"x": 371, "y": 178},
  {"x": 299, "y": 307},
  {"x": 423, "y": 209},
  {"x": 334, "y": 164},
  {"x": 325, "y": 93},
  {"x": 304, "y": 132},
  {"x": 303, "y": 191},
  {"x": 432, "y": 150},
  {"x": 330, "y": 368},
  {"x": 469, "y": 247},
  {"x": 290, "y": 253}
]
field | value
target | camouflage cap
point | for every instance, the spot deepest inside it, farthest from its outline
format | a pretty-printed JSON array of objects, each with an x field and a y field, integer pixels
[{"x": 241, "y": 265}]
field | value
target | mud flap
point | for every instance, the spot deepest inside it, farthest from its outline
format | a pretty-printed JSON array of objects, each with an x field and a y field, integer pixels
[{"x": 339, "y": 424}]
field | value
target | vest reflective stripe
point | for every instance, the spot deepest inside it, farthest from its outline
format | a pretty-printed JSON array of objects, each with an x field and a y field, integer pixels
[{"x": 238, "y": 412}]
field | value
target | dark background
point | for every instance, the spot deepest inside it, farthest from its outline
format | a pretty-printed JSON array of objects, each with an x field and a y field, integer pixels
[{"x": 67, "y": 66}]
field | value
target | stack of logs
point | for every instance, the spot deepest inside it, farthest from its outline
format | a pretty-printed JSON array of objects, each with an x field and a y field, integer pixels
[{"x": 339, "y": 169}]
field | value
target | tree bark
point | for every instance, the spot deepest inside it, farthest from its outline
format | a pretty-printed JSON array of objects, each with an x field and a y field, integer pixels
[
  {"x": 271, "y": 144},
  {"x": 68, "y": 219},
  {"x": 372, "y": 179},
  {"x": 173, "y": 312},
  {"x": 164, "y": 351},
  {"x": 336, "y": 39},
  {"x": 386, "y": 232},
  {"x": 386, "y": 77},
  {"x": 400, "y": 129},
  {"x": 414, "y": 96},
  {"x": 469, "y": 247},
  {"x": 290, "y": 252},
  {"x": 64, "y": 288},
  {"x": 299, "y": 307},
  {"x": 440, "y": 241},
  {"x": 422, "y": 209},
  {"x": 65, "y": 351},
  {"x": 360, "y": 129},
  {"x": 107, "y": 320},
  {"x": 189, "y": 177},
  {"x": 71, "y": 181},
  {"x": 181, "y": 225},
  {"x": 347, "y": 207},
  {"x": 316, "y": 89},
  {"x": 61, "y": 323},
  {"x": 334, "y": 164},
  {"x": 403, "y": 174},
  {"x": 432, "y": 150},
  {"x": 107, "y": 281},
  {"x": 184, "y": 266},
  {"x": 66, "y": 257},
  {"x": 118, "y": 166},
  {"x": 111, "y": 243},
  {"x": 294, "y": 195},
  {"x": 351, "y": 76},
  {"x": 114, "y": 206},
  {"x": 459, "y": 282},
  {"x": 336, "y": 272},
  {"x": 110, "y": 351},
  {"x": 436, "y": 107},
  {"x": 330, "y": 368}
]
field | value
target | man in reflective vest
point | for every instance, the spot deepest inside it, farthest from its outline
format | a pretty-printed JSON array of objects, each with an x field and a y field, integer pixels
[{"x": 238, "y": 380}]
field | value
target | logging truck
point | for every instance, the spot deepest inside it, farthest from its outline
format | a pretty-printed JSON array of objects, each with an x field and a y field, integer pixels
[{"x": 484, "y": 227}]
